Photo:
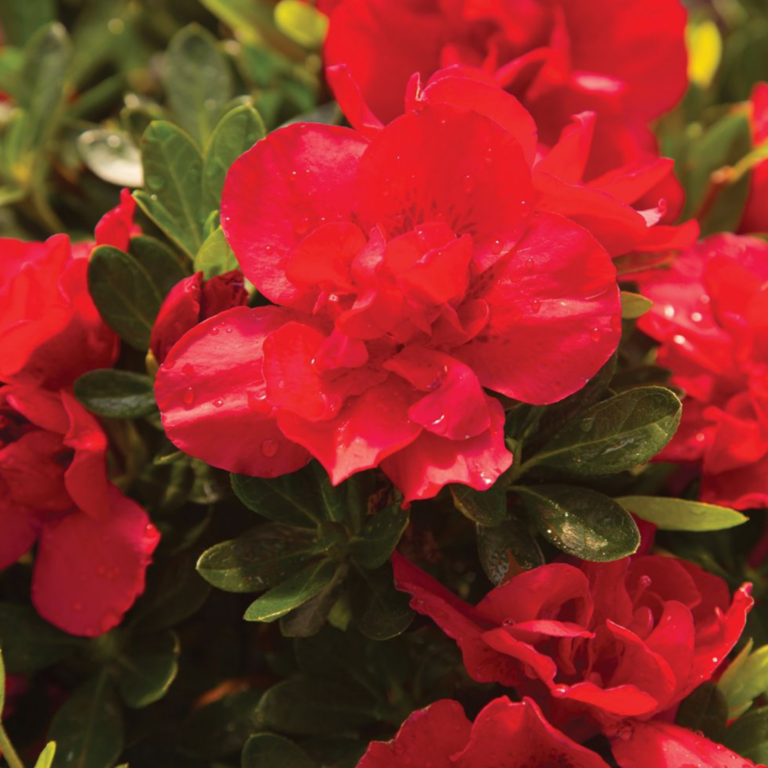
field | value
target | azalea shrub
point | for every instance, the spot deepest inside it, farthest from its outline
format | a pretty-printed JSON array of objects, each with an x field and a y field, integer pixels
[{"x": 383, "y": 383}]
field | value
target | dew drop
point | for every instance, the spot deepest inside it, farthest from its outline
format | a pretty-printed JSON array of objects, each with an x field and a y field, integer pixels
[
  {"x": 188, "y": 370},
  {"x": 293, "y": 176},
  {"x": 697, "y": 317},
  {"x": 678, "y": 338},
  {"x": 227, "y": 330},
  {"x": 535, "y": 305},
  {"x": 215, "y": 331},
  {"x": 188, "y": 397},
  {"x": 218, "y": 403},
  {"x": 469, "y": 184},
  {"x": 301, "y": 227},
  {"x": 270, "y": 448},
  {"x": 669, "y": 311},
  {"x": 268, "y": 249},
  {"x": 529, "y": 265},
  {"x": 700, "y": 437},
  {"x": 258, "y": 403},
  {"x": 595, "y": 334},
  {"x": 496, "y": 247},
  {"x": 645, "y": 581},
  {"x": 438, "y": 420}
]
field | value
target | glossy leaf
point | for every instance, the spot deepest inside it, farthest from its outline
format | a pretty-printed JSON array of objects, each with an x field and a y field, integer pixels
[
  {"x": 198, "y": 81},
  {"x": 507, "y": 549},
  {"x": 745, "y": 678},
  {"x": 215, "y": 256},
  {"x": 148, "y": 666},
  {"x": 159, "y": 261},
  {"x": 266, "y": 750},
  {"x": 748, "y": 736},
  {"x": 581, "y": 522},
  {"x": 309, "y": 618},
  {"x": 172, "y": 197},
  {"x": 615, "y": 434},
  {"x": 704, "y": 711},
  {"x": 116, "y": 394},
  {"x": 292, "y": 592},
  {"x": 124, "y": 294},
  {"x": 88, "y": 728},
  {"x": 259, "y": 559},
  {"x": 379, "y": 611},
  {"x": 290, "y": 499},
  {"x": 372, "y": 547},
  {"x": 681, "y": 514},
  {"x": 483, "y": 507}
]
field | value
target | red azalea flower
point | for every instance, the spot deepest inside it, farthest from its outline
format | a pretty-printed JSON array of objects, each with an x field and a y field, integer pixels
[
  {"x": 629, "y": 208},
  {"x": 710, "y": 315},
  {"x": 191, "y": 301},
  {"x": 505, "y": 734},
  {"x": 93, "y": 543},
  {"x": 410, "y": 277},
  {"x": 755, "y": 217},
  {"x": 542, "y": 51},
  {"x": 600, "y": 642}
]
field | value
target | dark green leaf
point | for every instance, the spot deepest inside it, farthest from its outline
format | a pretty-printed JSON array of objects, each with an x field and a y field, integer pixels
[
  {"x": 313, "y": 707},
  {"x": 309, "y": 618},
  {"x": 198, "y": 81},
  {"x": 293, "y": 592},
  {"x": 615, "y": 434},
  {"x": 221, "y": 728},
  {"x": 215, "y": 256},
  {"x": 507, "y": 549},
  {"x": 290, "y": 499},
  {"x": 378, "y": 609},
  {"x": 29, "y": 643},
  {"x": 236, "y": 133},
  {"x": 124, "y": 294},
  {"x": 173, "y": 170},
  {"x": 748, "y": 736},
  {"x": 681, "y": 514},
  {"x": 265, "y": 750},
  {"x": 483, "y": 507},
  {"x": 116, "y": 394},
  {"x": 259, "y": 559},
  {"x": 581, "y": 522},
  {"x": 704, "y": 711},
  {"x": 380, "y": 535},
  {"x": 88, "y": 728},
  {"x": 159, "y": 261},
  {"x": 148, "y": 666}
]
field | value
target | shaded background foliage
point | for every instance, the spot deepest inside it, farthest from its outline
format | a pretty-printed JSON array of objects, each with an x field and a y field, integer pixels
[{"x": 323, "y": 662}]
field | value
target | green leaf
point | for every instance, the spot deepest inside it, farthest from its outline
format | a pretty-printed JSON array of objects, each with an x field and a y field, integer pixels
[
  {"x": 159, "y": 261},
  {"x": 309, "y": 618},
  {"x": 633, "y": 305},
  {"x": 20, "y": 19},
  {"x": 265, "y": 750},
  {"x": 379, "y": 611},
  {"x": 704, "y": 711},
  {"x": 302, "y": 23},
  {"x": 581, "y": 522},
  {"x": 148, "y": 666},
  {"x": 745, "y": 679},
  {"x": 614, "y": 435},
  {"x": 380, "y": 535},
  {"x": 198, "y": 81},
  {"x": 507, "y": 549},
  {"x": 124, "y": 294},
  {"x": 215, "y": 256},
  {"x": 116, "y": 394},
  {"x": 221, "y": 728},
  {"x": 112, "y": 156},
  {"x": 305, "y": 707},
  {"x": 173, "y": 169},
  {"x": 236, "y": 133},
  {"x": 293, "y": 592},
  {"x": 242, "y": 16},
  {"x": 88, "y": 728},
  {"x": 483, "y": 507},
  {"x": 681, "y": 514},
  {"x": 290, "y": 499},
  {"x": 29, "y": 643},
  {"x": 748, "y": 736},
  {"x": 45, "y": 759},
  {"x": 42, "y": 81},
  {"x": 259, "y": 559}
]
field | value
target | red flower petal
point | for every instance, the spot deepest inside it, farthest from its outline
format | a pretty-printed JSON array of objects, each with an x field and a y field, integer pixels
[
  {"x": 88, "y": 571},
  {"x": 281, "y": 190},
  {"x": 116, "y": 227},
  {"x": 19, "y": 526},
  {"x": 179, "y": 312},
  {"x": 555, "y": 302},
  {"x": 211, "y": 387}
]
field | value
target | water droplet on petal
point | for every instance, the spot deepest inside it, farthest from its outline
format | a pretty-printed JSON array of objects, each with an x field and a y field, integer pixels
[
  {"x": 669, "y": 311},
  {"x": 535, "y": 305},
  {"x": 188, "y": 370},
  {"x": 645, "y": 581},
  {"x": 218, "y": 403},
  {"x": 188, "y": 397},
  {"x": 268, "y": 249},
  {"x": 595, "y": 334},
  {"x": 496, "y": 247},
  {"x": 438, "y": 420},
  {"x": 214, "y": 331},
  {"x": 697, "y": 317},
  {"x": 270, "y": 448},
  {"x": 258, "y": 403}
]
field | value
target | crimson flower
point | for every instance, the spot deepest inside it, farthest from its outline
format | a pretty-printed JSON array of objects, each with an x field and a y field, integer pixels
[
  {"x": 600, "y": 643},
  {"x": 93, "y": 543},
  {"x": 50, "y": 329},
  {"x": 755, "y": 217},
  {"x": 191, "y": 301},
  {"x": 710, "y": 315},
  {"x": 505, "y": 734},
  {"x": 409, "y": 277},
  {"x": 542, "y": 51}
]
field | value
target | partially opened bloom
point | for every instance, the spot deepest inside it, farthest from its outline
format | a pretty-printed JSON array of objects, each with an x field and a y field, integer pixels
[
  {"x": 505, "y": 734},
  {"x": 599, "y": 643},
  {"x": 411, "y": 271},
  {"x": 626, "y": 61},
  {"x": 93, "y": 543},
  {"x": 710, "y": 316},
  {"x": 755, "y": 217}
]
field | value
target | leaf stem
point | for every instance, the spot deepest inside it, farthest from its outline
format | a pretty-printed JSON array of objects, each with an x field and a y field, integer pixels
[{"x": 9, "y": 753}]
